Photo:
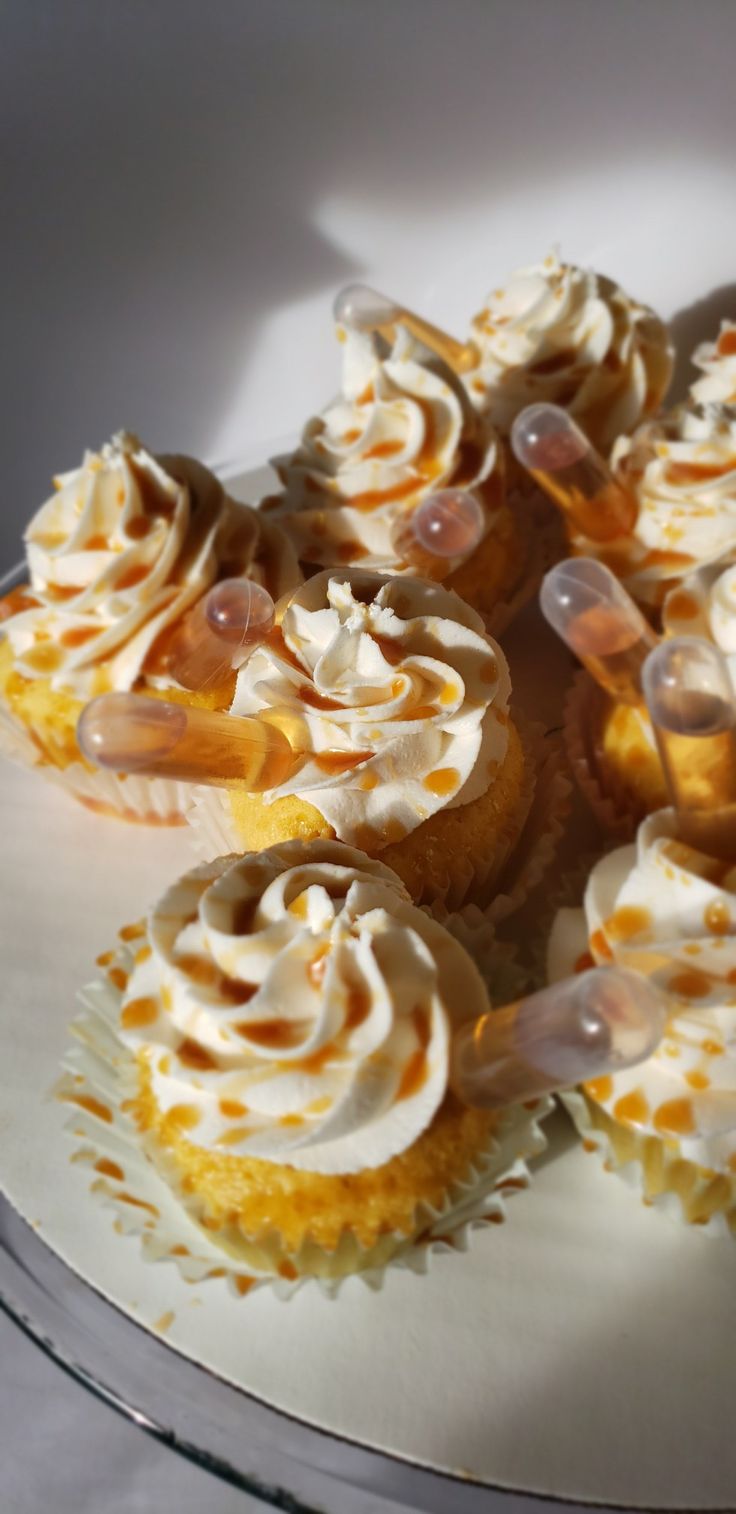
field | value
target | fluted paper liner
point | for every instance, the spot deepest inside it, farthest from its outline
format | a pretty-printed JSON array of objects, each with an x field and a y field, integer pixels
[
  {"x": 100, "y": 1077},
  {"x": 147, "y": 801},
  {"x": 681, "y": 1189},
  {"x": 667, "y": 1180},
  {"x": 614, "y": 808}
]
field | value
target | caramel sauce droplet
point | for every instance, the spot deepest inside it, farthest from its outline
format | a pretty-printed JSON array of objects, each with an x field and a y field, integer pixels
[
  {"x": 697, "y": 1079},
  {"x": 129, "y": 1198},
  {"x": 277, "y": 1033},
  {"x": 242, "y": 1284},
  {"x": 442, "y": 781},
  {"x": 132, "y": 932},
  {"x": 384, "y": 449},
  {"x": 675, "y": 1117},
  {"x": 206, "y": 974},
  {"x": 599, "y": 947},
  {"x": 109, "y": 1169},
  {"x": 138, "y": 527},
  {"x": 92, "y": 1105},
  {"x": 358, "y": 1008},
  {"x": 317, "y": 701},
  {"x": 232, "y": 1109},
  {"x": 183, "y": 1116},
  {"x": 632, "y": 1109},
  {"x": 119, "y": 977},
  {"x": 689, "y": 985},
  {"x": 717, "y": 918},
  {"x": 414, "y": 1076},
  {"x": 599, "y": 1089},
  {"x": 392, "y": 651},
  {"x": 628, "y": 921},
  {"x": 697, "y": 473},
  {"x": 141, "y": 1011},
  {"x": 340, "y": 762},
  {"x": 16, "y": 602},
  {"x": 190, "y": 1054}
]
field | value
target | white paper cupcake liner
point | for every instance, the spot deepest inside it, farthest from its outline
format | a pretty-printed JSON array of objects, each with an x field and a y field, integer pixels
[
  {"x": 100, "y": 1077},
  {"x": 667, "y": 1202},
  {"x": 15, "y": 742},
  {"x": 146, "y": 801}
]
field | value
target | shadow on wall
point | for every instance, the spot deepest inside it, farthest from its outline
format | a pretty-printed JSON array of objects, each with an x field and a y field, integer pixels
[
  {"x": 699, "y": 322},
  {"x": 168, "y": 168}
]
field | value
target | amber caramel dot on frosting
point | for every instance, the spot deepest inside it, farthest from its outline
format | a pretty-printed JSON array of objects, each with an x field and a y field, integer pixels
[
  {"x": 675, "y": 1117},
  {"x": 717, "y": 917},
  {"x": 626, "y": 922},
  {"x": 442, "y": 781},
  {"x": 600, "y": 1089},
  {"x": 689, "y": 985},
  {"x": 632, "y": 1108},
  {"x": 141, "y": 1011}
]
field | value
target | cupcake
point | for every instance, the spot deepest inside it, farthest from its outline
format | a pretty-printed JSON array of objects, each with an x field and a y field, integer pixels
[
  {"x": 681, "y": 469},
  {"x": 123, "y": 549},
  {"x": 667, "y": 911},
  {"x": 717, "y": 361},
  {"x": 401, "y": 430},
  {"x": 283, "y": 1040},
  {"x": 567, "y": 336},
  {"x": 399, "y": 702}
]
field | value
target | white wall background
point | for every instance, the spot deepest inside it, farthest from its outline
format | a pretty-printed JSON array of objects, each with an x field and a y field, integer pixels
[{"x": 187, "y": 182}]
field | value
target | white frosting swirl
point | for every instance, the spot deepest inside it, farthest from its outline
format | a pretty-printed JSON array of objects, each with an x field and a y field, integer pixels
[
  {"x": 126, "y": 544},
  {"x": 401, "y": 429},
  {"x": 717, "y": 360},
  {"x": 705, "y": 605},
  {"x": 299, "y": 1007},
  {"x": 568, "y": 336},
  {"x": 682, "y": 470},
  {"x": 669, "y": 912},
  {"x": 400, "y": 696}
]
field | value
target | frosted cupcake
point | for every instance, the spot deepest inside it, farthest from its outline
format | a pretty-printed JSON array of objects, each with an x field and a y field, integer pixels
[
  {"x": 570, "y": 337},
  {"x": 118, "y": 555},
  {"x": 717, "y": 361},
  {"x": 399, "y": 702},
  {"x": 288, "y": 1020},
  {"x": 401, "y": 430},
  {"x": 682, "y": 472},
  {"x": 669, "y": 912}
]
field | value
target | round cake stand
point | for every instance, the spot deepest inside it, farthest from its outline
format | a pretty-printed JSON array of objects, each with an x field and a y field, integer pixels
[{"x": 196, "y": 1413}]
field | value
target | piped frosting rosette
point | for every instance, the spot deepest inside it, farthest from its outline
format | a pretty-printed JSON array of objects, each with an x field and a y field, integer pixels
[
  {"x": 398, "y": 678},
  {"x": 277, "y": 1044},
  {"x": 401, "y": 429},
  {"x": 398, "y": 701},
  {"x": 717, "y": 362},
  {"x": 682, "y": 471},
  {"x": 125, "y": 546},
  {"x": 567, "y": 336},
  {"x": 668, "y": 911}
]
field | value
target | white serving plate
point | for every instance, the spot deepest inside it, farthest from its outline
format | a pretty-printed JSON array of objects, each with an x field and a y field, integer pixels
[{"x": 583, "y": 1351}]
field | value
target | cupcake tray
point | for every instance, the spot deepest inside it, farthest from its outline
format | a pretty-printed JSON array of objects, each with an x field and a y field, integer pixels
[{"x": 582, "y": 1351}]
